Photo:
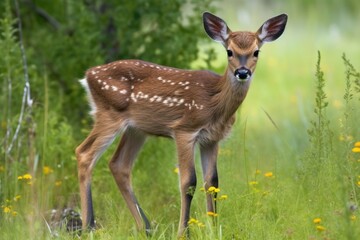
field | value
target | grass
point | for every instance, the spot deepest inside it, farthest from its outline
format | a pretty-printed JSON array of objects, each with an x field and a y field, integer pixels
[{"x": 282, "y": 181}]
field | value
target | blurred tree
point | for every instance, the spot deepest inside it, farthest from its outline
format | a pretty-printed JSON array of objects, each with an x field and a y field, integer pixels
[{"x": 64, "y": 38}]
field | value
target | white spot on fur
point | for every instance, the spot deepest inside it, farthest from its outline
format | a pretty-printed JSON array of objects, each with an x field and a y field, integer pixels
[
  {"x": 131, "y": 75},
  {"x": 194, "y": 105},
  {"x": 114, "y": 88},
  {"x": 123, "y": 91},
  {"x": 133, "y": 97}
]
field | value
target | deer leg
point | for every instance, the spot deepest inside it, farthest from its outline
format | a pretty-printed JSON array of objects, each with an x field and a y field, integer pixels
[
  {"x": 87, "y": 153},
  {"x": 185, "y": 148},
  {"x": 121, "y": 165},
  {"x": 208, "y": 154}
]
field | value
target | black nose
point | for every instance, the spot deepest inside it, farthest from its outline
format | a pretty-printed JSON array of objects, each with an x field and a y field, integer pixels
[{"x": 242, "y": 73}]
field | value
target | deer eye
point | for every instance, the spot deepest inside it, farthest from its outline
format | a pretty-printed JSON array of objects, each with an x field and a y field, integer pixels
[
  {"x": 256, "y": 53},
  {"x": 229, "y": 53}
]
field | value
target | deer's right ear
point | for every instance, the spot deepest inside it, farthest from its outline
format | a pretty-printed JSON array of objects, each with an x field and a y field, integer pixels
[{"x": 216, "y": 28}]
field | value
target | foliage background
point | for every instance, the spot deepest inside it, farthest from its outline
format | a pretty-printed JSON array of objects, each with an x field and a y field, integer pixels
[{"x": 279, "y": 129}]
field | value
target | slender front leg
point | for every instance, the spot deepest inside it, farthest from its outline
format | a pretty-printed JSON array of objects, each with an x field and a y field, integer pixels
[
  {"x": 209, "y": 153},
  {"x": 185, "y": 149}
]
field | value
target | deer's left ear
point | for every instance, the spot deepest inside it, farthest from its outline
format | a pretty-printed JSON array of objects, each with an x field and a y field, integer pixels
[{"x": 272, "y": 28}]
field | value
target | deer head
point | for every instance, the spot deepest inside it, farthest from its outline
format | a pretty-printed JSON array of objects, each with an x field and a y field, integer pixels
[{"x": 243, "y": 47}]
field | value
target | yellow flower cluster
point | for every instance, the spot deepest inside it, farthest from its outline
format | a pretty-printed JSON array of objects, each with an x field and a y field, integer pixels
[
  {"x": 356, "y": 148},
  {"x": 196, "y": 222},
  {"x": 212, "y": 214},
  {"x": 213, "y": 189},
  {"x": 8, "y": 208},
  {"x": 26, "y": 178},
  {"x": 317, "y": 222}
]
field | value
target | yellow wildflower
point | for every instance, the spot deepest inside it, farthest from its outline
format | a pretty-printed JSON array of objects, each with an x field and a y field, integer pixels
[
  {"x": 201, "y": 224},
  {"x": 356, "y": 150},
  {"x": 213, "y": 190},
  {"x": 176, "y": 170},
  {"x": 47, "y": 170},
  {"x": 17, "y": 198},
  {"x": 20, "y": 177},
  {"x": 27, "y": 176},
  {"x": 6, "y": 209},
  {"x": 257, "y": 171},
  {"x": 320, "y": 228},
  {"x": 268, "y": 174},
  {"x": 212, "y": 214},
  {"x": 14, "y": 213},
  {"x": 223, "y": 197},
  {"x": 317, "y": 220},
  {"x": 193, "y": 221},
  {"x": 253, "y": 183},
  {"x": 357, "y": 144},
  {"x": 58, "y": 183},
  {"x": 352, "y": 217},
  {"x": 358, "y": 183}
]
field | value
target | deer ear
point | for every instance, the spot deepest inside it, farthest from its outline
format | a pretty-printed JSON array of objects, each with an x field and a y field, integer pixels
[
  {"x": 216, "y": 28},
  {"x": 272, "y": 28}
]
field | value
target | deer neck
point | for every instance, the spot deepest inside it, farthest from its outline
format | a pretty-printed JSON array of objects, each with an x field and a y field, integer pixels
[{"x": 232, "y": 94}]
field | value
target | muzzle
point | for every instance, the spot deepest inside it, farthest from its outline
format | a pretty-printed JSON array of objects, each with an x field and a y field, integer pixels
[{"x": 242, "y": 74}]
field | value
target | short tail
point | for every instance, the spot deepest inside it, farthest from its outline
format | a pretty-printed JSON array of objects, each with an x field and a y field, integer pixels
[{"x": 85, "y": 84}]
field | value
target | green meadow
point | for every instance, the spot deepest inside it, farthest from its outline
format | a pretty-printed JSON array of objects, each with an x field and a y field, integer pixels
[{"x": 290, "y": 169}]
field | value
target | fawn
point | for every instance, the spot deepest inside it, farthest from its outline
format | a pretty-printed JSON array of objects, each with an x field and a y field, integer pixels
[{"x": 138, "y": 98}]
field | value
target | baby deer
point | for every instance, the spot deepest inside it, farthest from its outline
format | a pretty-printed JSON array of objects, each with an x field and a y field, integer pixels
[{"x": 140, "y": 98}]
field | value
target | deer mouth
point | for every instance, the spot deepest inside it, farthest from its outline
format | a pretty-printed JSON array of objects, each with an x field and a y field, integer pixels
[{"x": 242, "y": 74}]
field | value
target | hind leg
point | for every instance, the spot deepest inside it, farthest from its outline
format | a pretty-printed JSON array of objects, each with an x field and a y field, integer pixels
[
  {"x": 87, "y": 153},
  {"x": 121, "y": 165}
]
